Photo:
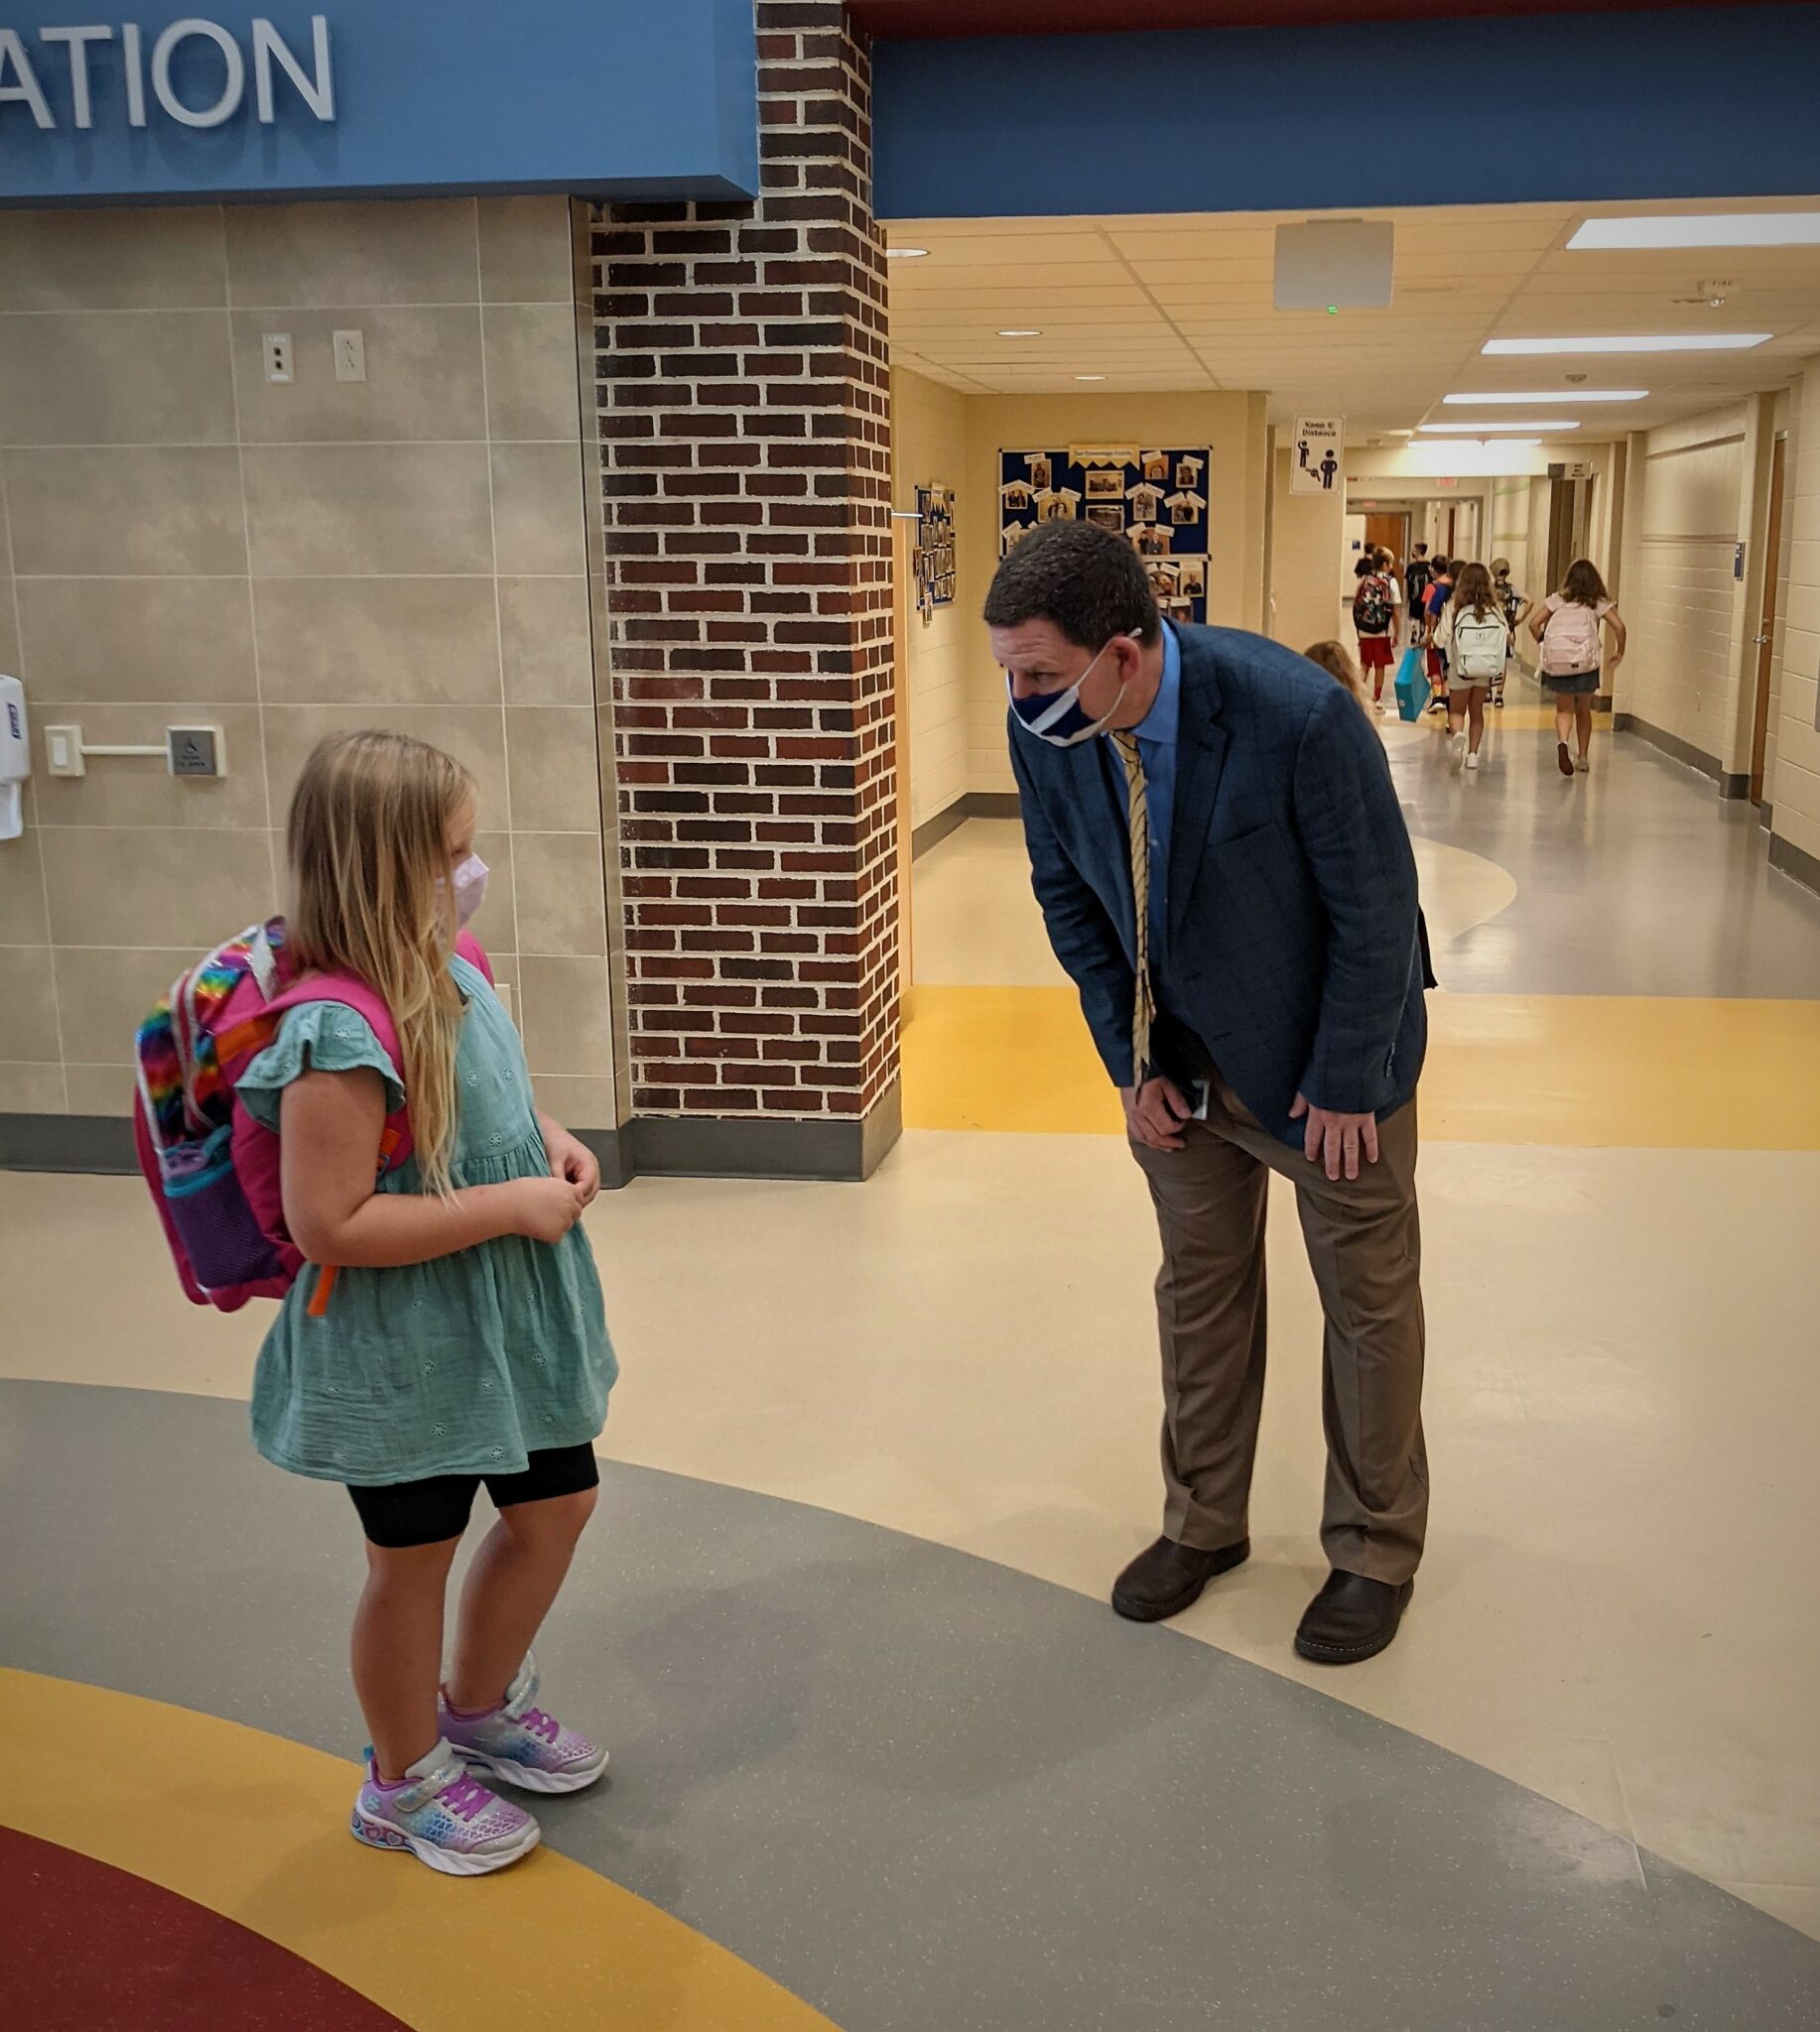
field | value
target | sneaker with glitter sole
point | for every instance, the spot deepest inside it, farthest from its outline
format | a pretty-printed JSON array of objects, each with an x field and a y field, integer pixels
[
  {"x": 443, "y": 1816},
  {"x": 520, "y": 1745}
]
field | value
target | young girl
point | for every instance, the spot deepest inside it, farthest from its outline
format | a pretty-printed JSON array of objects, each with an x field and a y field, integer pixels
[
  {"x": 1568, "y": 625},
  {"x": 1474, "y": 639},
  {"x": 1333, "y": 659},
  {"x": 461, "y": 1339},
  {"x": 1517, "y": 612}
]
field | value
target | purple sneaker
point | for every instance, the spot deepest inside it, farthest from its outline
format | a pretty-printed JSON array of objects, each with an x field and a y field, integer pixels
[
  {"x": 519, "y": 1744},
  {"x": 443, "y": 1816}
]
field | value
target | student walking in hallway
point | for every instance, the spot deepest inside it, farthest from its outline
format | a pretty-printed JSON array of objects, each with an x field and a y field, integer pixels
[
  {"x": 1224, "y": 870},
  {"x": 1568, "y": 625},
  {"x": 1474, "y": 639}
]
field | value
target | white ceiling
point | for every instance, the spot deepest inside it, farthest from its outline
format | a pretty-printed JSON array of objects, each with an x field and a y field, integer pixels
[{"x": 1184, "y": 302}]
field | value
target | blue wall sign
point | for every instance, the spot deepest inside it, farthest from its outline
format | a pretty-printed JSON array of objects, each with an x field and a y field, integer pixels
[
  {"x": 1681, "y": 102},
  {"x": 603, "y": 98}
]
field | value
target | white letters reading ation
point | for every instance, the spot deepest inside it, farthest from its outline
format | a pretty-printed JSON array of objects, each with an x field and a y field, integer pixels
[{"x": 87, "y": 53}]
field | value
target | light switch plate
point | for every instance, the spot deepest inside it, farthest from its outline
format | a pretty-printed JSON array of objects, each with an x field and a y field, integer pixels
[
  {"x": 195, "y": 751},
  {"x": 63, "y": 751}
]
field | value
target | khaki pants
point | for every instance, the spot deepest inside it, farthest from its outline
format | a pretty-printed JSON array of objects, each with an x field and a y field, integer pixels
[{"x": 1365, "y": 1246}]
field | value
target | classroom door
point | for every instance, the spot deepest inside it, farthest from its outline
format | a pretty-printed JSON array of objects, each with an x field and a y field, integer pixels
[{"x": 1765, "y": 632}]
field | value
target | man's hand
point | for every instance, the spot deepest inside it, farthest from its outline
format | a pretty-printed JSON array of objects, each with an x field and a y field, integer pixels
[
  {"x": 572, "y": 1160},
  {"x": 1338, "y": 1137},
  {"x": 1154, "y": 1113}
]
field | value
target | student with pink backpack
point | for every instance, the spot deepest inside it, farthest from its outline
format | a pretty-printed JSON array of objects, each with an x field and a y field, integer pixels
[
  {"x": 336, "y": 1112},
  {"x": 1568, "y": 625}
]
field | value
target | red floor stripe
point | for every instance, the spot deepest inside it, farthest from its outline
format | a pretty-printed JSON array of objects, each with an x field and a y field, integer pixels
[{"x": 88, "y": 1948}]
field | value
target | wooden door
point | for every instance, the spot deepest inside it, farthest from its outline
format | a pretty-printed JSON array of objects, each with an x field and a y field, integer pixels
[
  {"x": 1766, "y": 633},
  {"x": 1384, "y": 531}
]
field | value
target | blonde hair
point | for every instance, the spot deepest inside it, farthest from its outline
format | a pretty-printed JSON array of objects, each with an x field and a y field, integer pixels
[
  {"x": 368, "y": 844},
  {"x": 1334, "y": 660}
]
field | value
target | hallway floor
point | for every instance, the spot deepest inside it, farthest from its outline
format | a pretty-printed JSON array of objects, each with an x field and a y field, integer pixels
[{"x": 882, "y": 1756}]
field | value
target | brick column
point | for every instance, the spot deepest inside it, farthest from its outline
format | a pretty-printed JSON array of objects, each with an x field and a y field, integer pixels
[{"x": 743, "y": 397}]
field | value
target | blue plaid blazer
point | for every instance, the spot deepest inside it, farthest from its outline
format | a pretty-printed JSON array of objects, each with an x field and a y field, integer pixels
[{"x": 1291, "y": 951}]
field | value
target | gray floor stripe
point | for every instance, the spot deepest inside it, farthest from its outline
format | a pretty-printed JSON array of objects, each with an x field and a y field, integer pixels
[{"x": 925, "y": 1793}]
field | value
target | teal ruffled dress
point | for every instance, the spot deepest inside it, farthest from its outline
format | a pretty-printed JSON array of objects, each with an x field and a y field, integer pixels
[{"x": 465, "y": 1365}]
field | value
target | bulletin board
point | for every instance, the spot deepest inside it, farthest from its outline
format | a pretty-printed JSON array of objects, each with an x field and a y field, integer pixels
[
  {"x": 1156, "y": 499},
  {"x": 934, "y": 555}
]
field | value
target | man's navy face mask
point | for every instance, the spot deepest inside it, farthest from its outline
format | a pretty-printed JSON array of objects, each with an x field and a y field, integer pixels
[{"x": 1057, "y": 716}]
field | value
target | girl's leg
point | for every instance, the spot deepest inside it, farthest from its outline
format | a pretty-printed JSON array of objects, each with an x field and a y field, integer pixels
[
  {"x": 1475, "y": 705},
  {"x": 398, "y": 1650},
  {"x": 1583, "y": 721},
  {"x": 513, "y": 1580}
]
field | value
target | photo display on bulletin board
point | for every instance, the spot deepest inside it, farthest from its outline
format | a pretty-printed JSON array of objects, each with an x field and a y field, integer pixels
[
  {"x": 1157, "y": 499},
  {"x": 934, "y": 554}
]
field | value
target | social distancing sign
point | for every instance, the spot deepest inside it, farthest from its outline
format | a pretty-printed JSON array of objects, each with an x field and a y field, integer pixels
[{"x": 1315, "y": 454}]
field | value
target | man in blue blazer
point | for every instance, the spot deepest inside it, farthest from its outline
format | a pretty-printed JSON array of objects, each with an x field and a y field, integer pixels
[{"x": 1279, "y": 1026}]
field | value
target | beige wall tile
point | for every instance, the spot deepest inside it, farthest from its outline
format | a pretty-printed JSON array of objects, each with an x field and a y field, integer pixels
[
  {"x": 99, "y": 1089},
  {"x": 578, "y": 1103},
  {"x": 105, "y": 993},
  {"x": 472, "y": 735},
  {"x": 367, "y": 509},
  {"x": 22, "y": 891},
  {"x": 546, "y": 641},
  {"x": 377, "y": 640},
  {"x": 556, "y": 769},
  {"x": 170, "y": 511},
  {"x": 382, "y": 252},
  {"x": 422, "y": 378},
  {"x": 137, "y": 791},
  {"x": 9, "y": 623},
  {"x": 537, "y": 508},
  {"x": 561, "y": 891},
  {"x": 527, "y": 251},
  {"x": 128, "y": 260},
  {"x": 565, "y": 1010},
  {"x": 156, "y": 640},
  {"x": 31, "y": 1089},
  {"x": 532, "y": 387},
  {"x": 112, "y": 887},
  {"x": 28, "y": 1004},
  {"x": 87, "y": 377}
]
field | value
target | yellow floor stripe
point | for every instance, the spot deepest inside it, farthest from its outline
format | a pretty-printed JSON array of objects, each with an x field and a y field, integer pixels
[
  {"x": 255, "y": 1828},
  {"x": 1598, "y": 1071}
]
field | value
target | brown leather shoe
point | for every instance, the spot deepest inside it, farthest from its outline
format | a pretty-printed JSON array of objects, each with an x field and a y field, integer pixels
[
  {"x": 1352, "y": 1618},
  {"x": 1167, "y": 1578}
]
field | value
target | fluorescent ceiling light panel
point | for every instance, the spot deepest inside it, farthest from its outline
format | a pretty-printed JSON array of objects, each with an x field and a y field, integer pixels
[
  {"x": 1479, "y": 429},
  {"x": 905, "y": 253},
  {"x": 1567, "y": 397},
  {"x": 1711, "y": 230},
  {"x": 1661, "y": 342}
]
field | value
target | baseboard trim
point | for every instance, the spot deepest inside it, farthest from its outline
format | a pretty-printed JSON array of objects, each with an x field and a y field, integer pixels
[
  {"x": 1684, "y": 752},
  {"x": 974, "y": 803},
  {"x": 1795, "y": 861},
  {"x": 1765, "y": 813},
  {"x": 649, "y": 1146}
]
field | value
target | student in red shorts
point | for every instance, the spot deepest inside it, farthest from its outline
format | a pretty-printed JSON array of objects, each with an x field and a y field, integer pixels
[
  {"x": 1440, "y": 591},
  {"x": 1375, "y": 620}
]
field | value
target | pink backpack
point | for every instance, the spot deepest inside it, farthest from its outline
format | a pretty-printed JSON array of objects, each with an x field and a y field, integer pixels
[
  {"x": 212, "y": 1169},
  {"x": 1570, "y": 642}
]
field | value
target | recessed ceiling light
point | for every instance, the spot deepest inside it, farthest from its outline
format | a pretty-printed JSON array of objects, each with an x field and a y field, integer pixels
[
  {"x": 1713, "y": 229},
  {"x": 1524, "y": 423},
  {"x": 1661, "y": 343},
  {"x": 1018, "y": 331},
  {"x": 1573, "y": 396},
  {"x": 905, "y": 253},
  {"x": 1089, "y": 377}
]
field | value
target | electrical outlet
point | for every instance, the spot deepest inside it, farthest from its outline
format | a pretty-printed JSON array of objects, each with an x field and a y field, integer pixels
[
  {"x": 63, "y": 751},
  {"x": 195, "y": 751},
  {"x": 278, "y": 361},
  {"x": 350, "y": 355}
]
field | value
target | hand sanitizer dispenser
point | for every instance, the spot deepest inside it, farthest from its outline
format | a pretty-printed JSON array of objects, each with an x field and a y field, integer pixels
[{"x": 15, "y": 758}]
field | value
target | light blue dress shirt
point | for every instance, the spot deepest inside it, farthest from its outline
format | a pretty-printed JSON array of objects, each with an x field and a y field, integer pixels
[{"x": 1156, "y": 747}]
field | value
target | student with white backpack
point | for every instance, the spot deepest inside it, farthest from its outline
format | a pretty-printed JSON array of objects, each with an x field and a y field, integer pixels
[
  {"x": 1470, "y": 630},
  {"x": 1569, "y": 627}
]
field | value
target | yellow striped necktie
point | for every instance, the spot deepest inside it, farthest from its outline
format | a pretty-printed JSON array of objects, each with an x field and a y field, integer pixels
[{"x": 1139, "y": 807}]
